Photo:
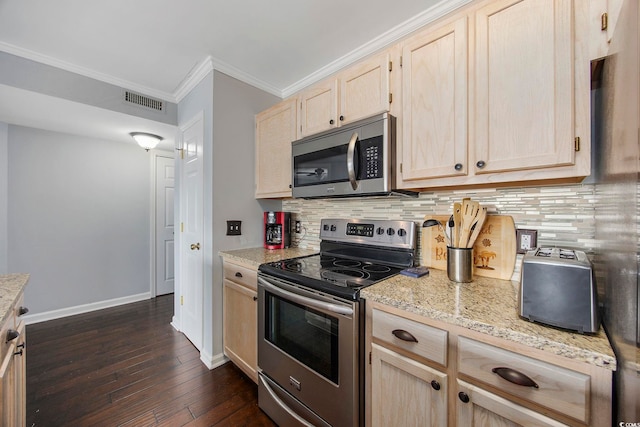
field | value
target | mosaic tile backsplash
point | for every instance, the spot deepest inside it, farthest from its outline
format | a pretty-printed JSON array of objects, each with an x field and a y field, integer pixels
[{"x": 563, "y": 216}]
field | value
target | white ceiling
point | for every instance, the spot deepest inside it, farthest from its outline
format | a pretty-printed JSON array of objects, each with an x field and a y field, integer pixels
[{"x": 153, "y": 46}]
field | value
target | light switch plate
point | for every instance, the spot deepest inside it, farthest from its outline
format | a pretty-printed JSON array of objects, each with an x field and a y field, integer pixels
[
  {"x": 526, "y": 240},
  {"x": 234, "y": 228}
]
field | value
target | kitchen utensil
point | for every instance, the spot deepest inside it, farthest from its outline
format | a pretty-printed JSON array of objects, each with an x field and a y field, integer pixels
[
  {"x": 469, "y": 213},
  {"x": 494, "y": 249},
  {"x": 477, "y": 227},
  {"x": 455, "y": 236},
  {"x": 431, "y": 232}
]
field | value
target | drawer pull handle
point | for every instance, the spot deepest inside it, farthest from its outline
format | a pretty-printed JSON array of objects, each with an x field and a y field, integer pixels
[
  {"x": 515, "y": 377},
  {"x": 404, "y": 335},
  {"x": 435, "y": 384},
  {"x": 22, "y": 310},
  {"x": 238, "y": 274},
  {"x": 12, "y": 334}
]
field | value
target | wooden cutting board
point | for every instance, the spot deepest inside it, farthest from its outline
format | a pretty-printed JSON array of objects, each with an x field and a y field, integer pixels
[{"x": 494, "y": 253}]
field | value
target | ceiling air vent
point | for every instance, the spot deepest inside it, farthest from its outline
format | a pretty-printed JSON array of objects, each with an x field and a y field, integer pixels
[{"x": 143, "y": 101}]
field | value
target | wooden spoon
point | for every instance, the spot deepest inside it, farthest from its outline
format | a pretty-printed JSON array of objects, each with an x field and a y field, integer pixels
[
  {"x": 455, "y": 234},
  {"x": 470, "y": 212},
  {"x": 477, "y": 227}
]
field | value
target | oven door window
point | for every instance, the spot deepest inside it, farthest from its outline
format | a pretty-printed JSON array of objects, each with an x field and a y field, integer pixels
[{"x": 307, "y": 335}]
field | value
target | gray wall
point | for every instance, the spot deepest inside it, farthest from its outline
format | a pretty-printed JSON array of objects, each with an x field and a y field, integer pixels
[
  {"x": 235, "y": 105},
  {"x": 4, "y": 188},
  {"x": 78, "y": 218},
  {"x": 229, "y": 107}
]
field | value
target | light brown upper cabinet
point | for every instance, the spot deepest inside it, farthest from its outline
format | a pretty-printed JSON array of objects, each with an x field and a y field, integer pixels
[
  {"x": 355, "y": 93},
  {"x": 434, "y": 114},
  {"x": 517, "y": 111},
  {"x": 275, "y": 131}
]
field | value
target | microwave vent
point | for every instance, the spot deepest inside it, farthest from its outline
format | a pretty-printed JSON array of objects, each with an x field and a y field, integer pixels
[{"x": 143, "y": 101}]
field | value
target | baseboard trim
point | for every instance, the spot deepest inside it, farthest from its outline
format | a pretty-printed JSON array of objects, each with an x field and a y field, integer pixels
[
  {"x": 212, "y": 361},
  {"x": 30, "y": 319}
]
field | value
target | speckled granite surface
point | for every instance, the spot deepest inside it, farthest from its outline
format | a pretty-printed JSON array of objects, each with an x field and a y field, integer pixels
[
  {"x": 257, "y": 256},
  {"x": 488, "y": 306},
  {"x": 11, "y": 285}
]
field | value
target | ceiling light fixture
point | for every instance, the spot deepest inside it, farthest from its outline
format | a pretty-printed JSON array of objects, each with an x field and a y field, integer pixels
[{"x": 145, "y": 140}]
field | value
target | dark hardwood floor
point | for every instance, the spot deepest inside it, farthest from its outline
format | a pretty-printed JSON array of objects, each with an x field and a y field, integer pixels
[{"x": 127, "y": 366}]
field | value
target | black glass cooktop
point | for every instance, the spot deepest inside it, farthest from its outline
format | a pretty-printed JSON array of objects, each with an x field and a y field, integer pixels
[{"x": 336, "y": 275}]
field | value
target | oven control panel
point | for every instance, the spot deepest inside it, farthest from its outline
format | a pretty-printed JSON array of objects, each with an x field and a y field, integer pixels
[{"x": 389, "y": 233}]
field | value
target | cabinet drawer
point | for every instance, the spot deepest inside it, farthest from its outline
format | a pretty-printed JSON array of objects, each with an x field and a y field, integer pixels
[
  {"x": 559, "y": 389},
  {"x": 242, "y": 275},
  {"x": 430, "y": 342}
]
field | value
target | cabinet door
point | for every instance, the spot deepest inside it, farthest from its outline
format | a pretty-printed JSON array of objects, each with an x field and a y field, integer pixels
[
  {"x": 8, "y": 382},
  {"x": 275, "y": 131},
  {"x": 319, "y": 108},
  {"x": 364, "y": 89},
  {"x": 241, "y": 327},
  {"x": 524, "y": 115},
  {"x": 477, "y": 407},
  {"x": 434, "y": 95},
  {"x": 405, "y": 392}
]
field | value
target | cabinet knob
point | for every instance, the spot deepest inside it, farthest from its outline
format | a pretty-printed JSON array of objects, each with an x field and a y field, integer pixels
[
  {"x": 435, "y": 384},
  {"x": 515, "y": 377},
  {"x": 12, "y": 334},
  {"x": 464, "y": 397},
  {"x": 480, "y": 164},
  {"x": 238, "y": 274},
  {"x": 404, "y": 335},
  {"x": 255, "y": 298},
  {"x": 22, "y": 310},
  {"x": 342, "y": 118},
  {"x": 458, "y": 166},
  {"x": 331, "y": 121}
]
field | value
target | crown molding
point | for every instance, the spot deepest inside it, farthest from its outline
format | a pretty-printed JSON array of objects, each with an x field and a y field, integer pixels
[
  {"x": 385, "y": 40},
  {"x": 195, "y": 76},
  {"x": 87, "y": 72}
]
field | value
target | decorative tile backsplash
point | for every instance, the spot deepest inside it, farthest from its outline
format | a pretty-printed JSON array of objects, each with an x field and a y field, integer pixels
[{"x": 564, "y": 216}]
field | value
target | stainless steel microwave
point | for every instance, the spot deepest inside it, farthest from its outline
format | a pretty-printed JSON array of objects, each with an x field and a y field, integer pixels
[{"x": 357, "y": 159}]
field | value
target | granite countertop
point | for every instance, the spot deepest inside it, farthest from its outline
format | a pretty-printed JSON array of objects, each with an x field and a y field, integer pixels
[
  {"x": 488, "y": 306},
  {"x": 11, "y": 285},
  {"x": 257, "y": 256}
]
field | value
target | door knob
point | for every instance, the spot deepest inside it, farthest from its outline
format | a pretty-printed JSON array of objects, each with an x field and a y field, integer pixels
[{"x": 195, "y": 246}]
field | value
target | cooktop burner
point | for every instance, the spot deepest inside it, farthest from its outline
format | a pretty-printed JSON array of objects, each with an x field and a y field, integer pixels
[
  {"x": 353, "y": 254},
  {"x": 349, "y": 274}
]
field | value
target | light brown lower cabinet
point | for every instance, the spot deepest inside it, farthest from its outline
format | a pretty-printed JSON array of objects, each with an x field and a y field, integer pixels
[
  {"x": 425, "y": 372},
  {"x": 240, "y": 331},
  {"x": 478, "y": 407},
  {"x": 13, "y": 373},
  {"x": 406, "y": 392}
]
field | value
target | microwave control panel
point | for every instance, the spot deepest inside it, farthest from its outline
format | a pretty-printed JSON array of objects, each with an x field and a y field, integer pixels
[{"x": 372, "y": 158}]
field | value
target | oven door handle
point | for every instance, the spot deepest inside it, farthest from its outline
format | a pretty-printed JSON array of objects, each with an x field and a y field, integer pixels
[
  {"x": 334, "y": 308},
  {"x": 280, "y": 403},
  {"x": 351, "y": 168}
]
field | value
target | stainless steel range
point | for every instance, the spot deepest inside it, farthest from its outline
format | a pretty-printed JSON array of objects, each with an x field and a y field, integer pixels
[{"x": 310, "y": 321}]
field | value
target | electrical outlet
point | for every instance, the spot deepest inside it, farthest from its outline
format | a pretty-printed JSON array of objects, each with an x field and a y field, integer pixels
[
  {"x": 298, "y": 227},
  {"x": 526, "y": 240},
  {"x": 234, "y": 228}
]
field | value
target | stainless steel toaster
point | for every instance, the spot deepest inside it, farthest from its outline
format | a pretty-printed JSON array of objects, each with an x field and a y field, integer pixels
[{"x": 557, "y": 288}]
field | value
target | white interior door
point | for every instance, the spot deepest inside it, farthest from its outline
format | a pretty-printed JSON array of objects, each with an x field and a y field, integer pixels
[
  {"x": 165, "y": 180},
  {"x": 191, "y": 217}
]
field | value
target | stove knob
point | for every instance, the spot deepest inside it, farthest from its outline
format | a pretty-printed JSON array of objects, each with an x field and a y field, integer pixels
[
  {"x": 333, "y": 227},
  {"x": 391, "y": 231},
  {"x": 380, "y": 230},
  {"x": 402, "y": 232}
]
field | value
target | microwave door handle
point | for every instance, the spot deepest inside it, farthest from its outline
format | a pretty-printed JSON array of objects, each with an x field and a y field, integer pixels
[
  {"x": 304, "y": 300},
  {"x": 351, "y": 170}
]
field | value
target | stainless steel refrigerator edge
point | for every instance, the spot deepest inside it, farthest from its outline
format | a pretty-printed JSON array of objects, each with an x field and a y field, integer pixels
[{"x": 616, "y": 135}]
